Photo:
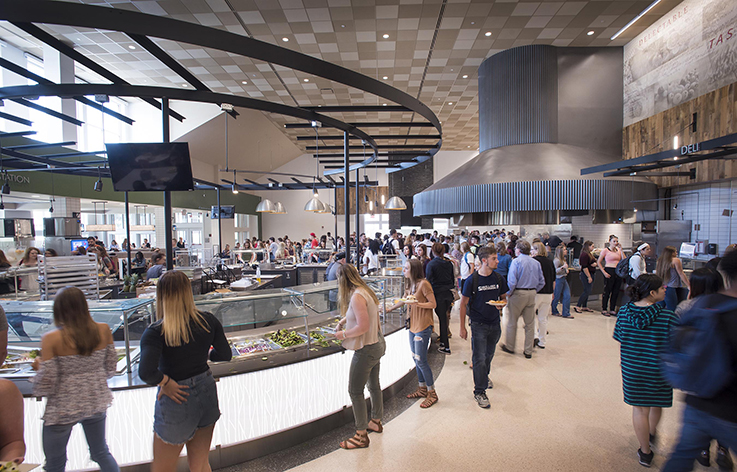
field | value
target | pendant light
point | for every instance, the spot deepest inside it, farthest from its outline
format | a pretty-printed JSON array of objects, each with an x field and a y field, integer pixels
[
  {"x": 235, "y": 185},
  {"x": 98, "y": 184},
  {"x": 395, "y": 203},
  {"x": 314, "y": 204},
  {"x": 279, "y": 209},
  {"x": 265, "y": 206},
  {"x": 326, "y": 208}
]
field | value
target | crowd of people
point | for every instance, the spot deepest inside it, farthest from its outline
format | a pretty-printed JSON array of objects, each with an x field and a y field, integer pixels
[{"x": 491, "y": 275}]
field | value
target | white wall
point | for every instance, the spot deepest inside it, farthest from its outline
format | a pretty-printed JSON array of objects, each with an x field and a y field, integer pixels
[
  {"x": 705, "y": 205},
  {"x": 446, "y": 162}
]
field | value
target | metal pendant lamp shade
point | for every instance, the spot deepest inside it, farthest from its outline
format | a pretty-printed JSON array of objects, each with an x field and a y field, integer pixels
[
  {"x": 265, "y": 206},
  {"x": 395, "y": 203},
  {"x": 279, "y": 209},
  {"x": 326, "y": 208},
  {"x": 314, "y": 205}
]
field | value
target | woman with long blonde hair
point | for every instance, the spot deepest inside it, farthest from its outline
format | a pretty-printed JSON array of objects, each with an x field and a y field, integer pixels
[
  {"x": 361, "y": 334},
  {"x": 421, "y": 302},
  {"x": 670, "y": 268},
  {"x": 77, "y": 358},
  {"x": 174, "y": 354}
]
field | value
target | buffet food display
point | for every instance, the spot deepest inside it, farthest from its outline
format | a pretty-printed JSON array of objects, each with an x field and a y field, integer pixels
[{"x": 260, "y": 326}]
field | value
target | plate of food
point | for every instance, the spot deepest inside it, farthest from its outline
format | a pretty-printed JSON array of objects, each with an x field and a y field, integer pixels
[
  {"x": 408, "y": 299},
  {"x": 497, "y": 303}
]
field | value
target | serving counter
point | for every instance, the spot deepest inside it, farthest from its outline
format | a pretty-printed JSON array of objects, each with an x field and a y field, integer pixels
[{"x": 288, "y": 370}]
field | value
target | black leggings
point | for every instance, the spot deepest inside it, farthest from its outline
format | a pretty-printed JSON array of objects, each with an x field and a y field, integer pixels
[
  {"x": 611, "y": 289},
  {"x": 443, "y": 302}
]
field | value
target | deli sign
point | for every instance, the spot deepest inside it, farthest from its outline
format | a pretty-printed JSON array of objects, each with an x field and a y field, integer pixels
[{"x": 688, "y": 149}]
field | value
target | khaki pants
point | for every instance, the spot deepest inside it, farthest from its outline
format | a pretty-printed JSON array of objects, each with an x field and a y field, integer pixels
[{"x": 521, "y": 303}]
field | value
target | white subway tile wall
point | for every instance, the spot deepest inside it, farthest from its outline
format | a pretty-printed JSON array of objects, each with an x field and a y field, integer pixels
[
  {"x": 709, "y": 206},
  {"x": 599, "y": 234}
]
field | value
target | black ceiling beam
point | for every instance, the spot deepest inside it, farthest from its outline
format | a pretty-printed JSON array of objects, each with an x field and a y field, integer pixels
[
  {"x": 179, "y": 94},
  {"x": 380, "y": 136},
  {"x": 16, "y": 134},
  {"x": 264, "y": 187},
  {"x": 16, "y": 119},
  {"x": 131, "y": 22},
  {"x": 303, "y": 184},
  {"x": 630, "y": 165},
  {"x": 383, "y": 161},
  {"x": 357, "y": 108},
  {"x": 370, "y": 124},
  {"x": 690, "y": 174},
  {"x": 381, "y": 154},
  {"x": 388, "y": 146},
  {"x": 381, "y": 166},
  {"x": 41, "y": 145},
  {"x": 72, "y": 154},
  {"x": 68, "y": 51},
  {"x": 48, "y": 111},
  {"x": 11, "y": 66},
  {"x": 39, "y": 159},
  {"x": 688, "y": 159}
]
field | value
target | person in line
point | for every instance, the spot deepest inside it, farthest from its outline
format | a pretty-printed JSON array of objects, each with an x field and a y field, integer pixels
[
  {"x": 562, "y": 290},
  {"x": 642, "y": 329},
  {"x": 313, "y": 241},
  {"x": 332, "y": 270},
  {"x": 125, "y": 245},
  {"x": 361, "y": 333},
  {"x": 588, "y": 265},
  {"x": 371, "y": 257},
  {"x": 7, "y": 284},
  {"x": 421, "y": 254},
  {"x": 483, "y": 286},
  {"x": 114, "y": 246},
  {"x": 105, "y": 262},
  {"x": 51, "y": 253},
  {"x": 705, "y": 281},
  {"x": 30, "y": 257},
  {"x": 456, "y": 253},
  {"x": 181, "y": 245},
  {"x": 12, "y": 444},
  {"x": 420, "y": 328},
  {"x": 670, "y": 268},
  {"x": 505, "y": 260},
  {"x": 467, "y": 263},
  {"x": 544, "y": 296},
  {"x": 637, "y": 261},
  {"x": 77, "y": 358},
  {"x": 174, "y": 354},
  {"x": 139, "y": 263},
  {"x": 608, "y": 260},
  {"x": 525, "y": 279},
  {"x": 157, "y": 268},
  {"x": 439, "y": 272},
  {"x": 705, "y": 419},
  {"x": 281, "y": 253},
  {"x": 575, "y": 247}
]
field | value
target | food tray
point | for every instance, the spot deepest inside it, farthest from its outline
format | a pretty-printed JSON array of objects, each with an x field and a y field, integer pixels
[
  {"x": 301, "y": 336},
  {"x": 246, "y": 347}
]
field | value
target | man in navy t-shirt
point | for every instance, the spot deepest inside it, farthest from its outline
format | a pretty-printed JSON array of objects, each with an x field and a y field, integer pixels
[{"x": 483, "y": 286}]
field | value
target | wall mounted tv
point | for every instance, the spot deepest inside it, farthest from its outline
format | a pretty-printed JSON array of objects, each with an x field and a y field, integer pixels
[
  {"x": 226, "y": 212},
  {"x": 140, "y": 167}
]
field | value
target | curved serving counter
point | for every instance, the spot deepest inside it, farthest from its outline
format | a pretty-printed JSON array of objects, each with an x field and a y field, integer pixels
[{"x": 287, "y": 369}]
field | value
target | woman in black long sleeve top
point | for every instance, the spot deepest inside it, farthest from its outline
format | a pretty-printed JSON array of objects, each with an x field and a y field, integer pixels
[
  {"x": 174, "y": 354},
  {"x": 439, "y": 273}
]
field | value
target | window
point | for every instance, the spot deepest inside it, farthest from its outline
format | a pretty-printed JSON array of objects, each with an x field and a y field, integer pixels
[
  {"x": 376, "y": 223},
  {"x": 48, "y": 129}
]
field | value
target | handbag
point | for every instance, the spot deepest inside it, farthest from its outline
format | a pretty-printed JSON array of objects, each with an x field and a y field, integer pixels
[{"x": 456, "y": 296}]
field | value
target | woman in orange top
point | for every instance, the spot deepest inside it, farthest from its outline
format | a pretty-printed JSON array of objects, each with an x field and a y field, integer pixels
[
  {"x": 420, "y": 328},
  {"x": 608, "y": 260}
]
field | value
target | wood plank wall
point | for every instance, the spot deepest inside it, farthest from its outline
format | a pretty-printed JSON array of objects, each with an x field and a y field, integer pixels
[
  {"x": 717, "y": 116},
  {"x": 374, "y": 193}
]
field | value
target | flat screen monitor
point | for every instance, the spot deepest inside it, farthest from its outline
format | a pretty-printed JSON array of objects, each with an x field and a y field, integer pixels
[
  {"x": 136, "y": 167},
  {"x": 688, "y": 251},
  {"x": 226, "y": 212},
  {"x": 78, "y": 242}
]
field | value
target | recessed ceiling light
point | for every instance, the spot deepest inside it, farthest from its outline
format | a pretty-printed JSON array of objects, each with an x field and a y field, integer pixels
[
  {"x": 465, "y": 76},
  {"x": 184, "y": 85},
  {"x": 386, "y": 77},
  {"x": 488, "y": 33},
  {"x": 285, "y": 39},
  {"x": 473, "y": 22},
  {"x": 244, "y": 82},
  {"x": 386, "y": 36},
  {"x": 590, "y": 33},
  {"x": 384, "y": 104},
  {"x": 342, "y": 26},
  {"x": 450, "y": 103},
  {"x": 130, "y": 46},
  {"x": 305, "y": 80}
]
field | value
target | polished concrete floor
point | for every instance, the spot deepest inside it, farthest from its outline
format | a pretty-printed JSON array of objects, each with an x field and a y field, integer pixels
[{"x": 562, "y": 410}]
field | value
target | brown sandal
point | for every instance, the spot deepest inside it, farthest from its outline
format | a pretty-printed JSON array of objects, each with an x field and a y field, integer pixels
[
  {"x": 421, "y": 392},
  {"x": 358, "y": 441},
  {"x": 379, "y": 426},
  {"x": 432, "y": 398}
]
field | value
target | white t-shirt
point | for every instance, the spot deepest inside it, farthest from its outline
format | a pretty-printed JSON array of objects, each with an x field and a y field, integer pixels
[
  {"x": 637, "y": 265},
  {"x": 467, "y": 264},
  {"x": 395, "y": 245},
  {"x": 370, "y": 260}
]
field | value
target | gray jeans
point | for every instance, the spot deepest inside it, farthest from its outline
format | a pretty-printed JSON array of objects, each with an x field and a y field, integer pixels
[
  {"x": 521, "y": 303},
  {"x": 365, "y": 369}
]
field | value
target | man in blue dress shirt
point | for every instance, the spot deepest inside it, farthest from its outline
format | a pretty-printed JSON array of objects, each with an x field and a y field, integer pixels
[{"x": 525, "y": 279}]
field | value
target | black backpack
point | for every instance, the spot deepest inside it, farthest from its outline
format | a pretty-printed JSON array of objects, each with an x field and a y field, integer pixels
[
  {"x": 388, "y": 248},
  {"x": 623, "y": 269}
]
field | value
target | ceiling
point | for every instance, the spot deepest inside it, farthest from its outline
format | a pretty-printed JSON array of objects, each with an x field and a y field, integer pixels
[{"x": 430, "y": 49}]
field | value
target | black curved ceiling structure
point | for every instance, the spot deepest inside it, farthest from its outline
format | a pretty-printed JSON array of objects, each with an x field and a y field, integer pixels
[{"x": 140, "y": 27}]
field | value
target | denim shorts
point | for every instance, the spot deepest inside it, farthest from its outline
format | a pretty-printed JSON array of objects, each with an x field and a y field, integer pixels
[{"x": 177, "y": 424}]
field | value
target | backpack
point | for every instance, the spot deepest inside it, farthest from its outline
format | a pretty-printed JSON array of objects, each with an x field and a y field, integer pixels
[
  {"x": 388, "y": 248},
  {"x": 698, "y": 358},
  {"x": 623, "y": 269}
]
